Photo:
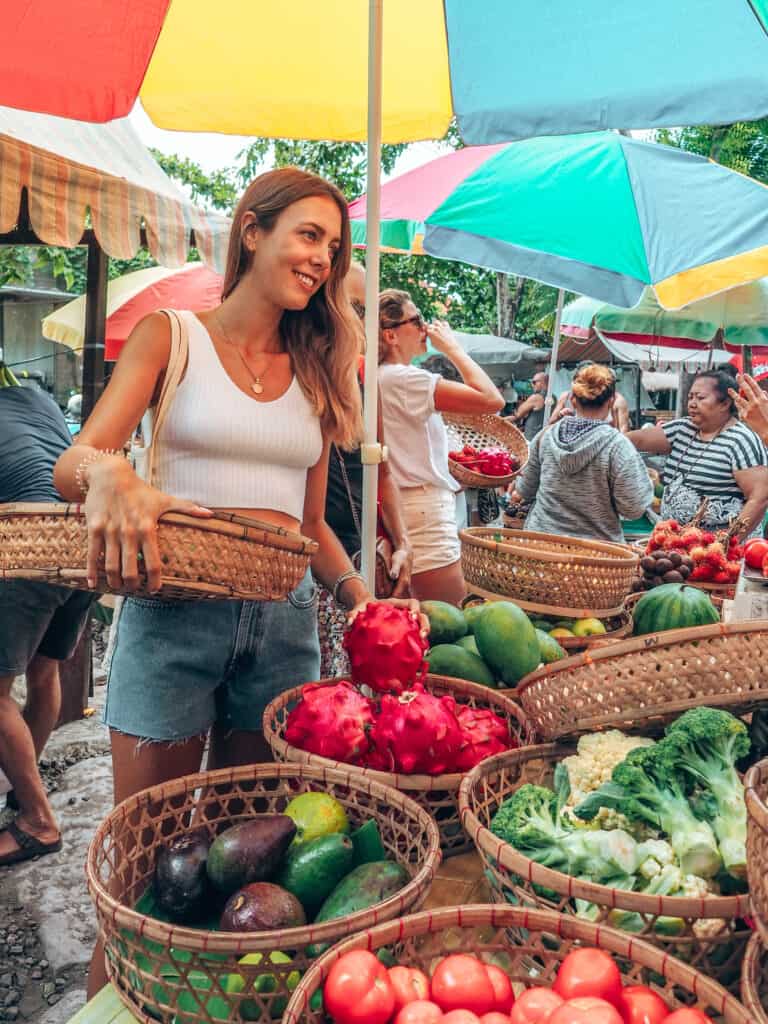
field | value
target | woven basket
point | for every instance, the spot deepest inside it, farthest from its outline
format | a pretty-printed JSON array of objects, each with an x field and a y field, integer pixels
[
  {"x": 755, "y": 793},
  {"x": 483, "y": 431},
  {"x": 226, "y": 556},
  {"x": 754, "y": 981},
  {"x": 159, "y": 969},
  {"x": 529, "y": 945},
  {"x": 437, "y": 794},
  {"x": 617, "y": 628},
  {"x": 649, "y": 679},
  {"x": 514, "y": 878},
  {"x": 548, "y": 573}
]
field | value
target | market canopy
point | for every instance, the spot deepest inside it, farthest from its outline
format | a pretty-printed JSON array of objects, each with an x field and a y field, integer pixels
[
  {"x": 72, "y": 170},
  {"x": 602, "y": 349}
]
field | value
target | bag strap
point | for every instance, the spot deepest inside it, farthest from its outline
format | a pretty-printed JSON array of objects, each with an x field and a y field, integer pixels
[
  {"x": 177, "y": 361},
  {"x": 345, "y": 478}
]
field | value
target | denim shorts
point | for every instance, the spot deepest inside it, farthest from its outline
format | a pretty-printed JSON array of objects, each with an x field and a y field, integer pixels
[
  {"x": 180, "y": 666},
  {"x": 37, "y": 618}
]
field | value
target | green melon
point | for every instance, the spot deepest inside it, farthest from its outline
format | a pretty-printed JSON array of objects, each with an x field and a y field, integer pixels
[
  {"x": 452, "y": 660},
  {"x": 507, "y": 641},
  {"x": 549, "y": 647},
  {"x": 673, "y": 606},
  {"x": 446, "y": 622}
]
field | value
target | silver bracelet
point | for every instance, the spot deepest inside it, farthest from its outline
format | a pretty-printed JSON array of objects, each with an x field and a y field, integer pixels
[
  {"x": 88, "y": 460},
  {"x": 350, "y": 574}
]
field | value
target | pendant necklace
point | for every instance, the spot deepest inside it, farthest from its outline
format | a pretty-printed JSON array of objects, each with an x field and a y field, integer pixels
[{"x": 256, "y": 379}]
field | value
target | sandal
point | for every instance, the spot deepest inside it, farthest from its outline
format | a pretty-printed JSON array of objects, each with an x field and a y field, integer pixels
[{"x": 29, "y": 846}]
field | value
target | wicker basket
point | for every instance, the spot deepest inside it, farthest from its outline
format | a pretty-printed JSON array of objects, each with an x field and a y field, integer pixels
[
  {"x": 755, "y": 793},
  {"x": 754, "y": 981},
  {"x": 484, "y": 431},
  {"x": 547, "y": 573},
  {"x": 161, "y": 970},
  {"x": 437, "y": 794},
  {"x": 649, "y": 679},
  {"x": 517, "y": 879},
  {"x": 529, "y": 945},
  {"x": 226, "y": 556},
  {"x": 617, "y": 628}
]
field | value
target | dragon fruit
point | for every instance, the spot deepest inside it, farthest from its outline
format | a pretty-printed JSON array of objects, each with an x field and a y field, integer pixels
[
  {"x": 415, "y": 732},
  {"x": 331, "y": 721},
  {"x": 385, "y": 647},
  {"x": 483, "y": 733}
]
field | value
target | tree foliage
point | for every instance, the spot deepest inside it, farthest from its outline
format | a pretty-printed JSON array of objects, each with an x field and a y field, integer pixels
[{"x": 743, "y": 146}]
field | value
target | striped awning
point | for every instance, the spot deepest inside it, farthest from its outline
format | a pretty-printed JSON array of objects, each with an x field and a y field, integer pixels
[{"x": 72, "y": 169}]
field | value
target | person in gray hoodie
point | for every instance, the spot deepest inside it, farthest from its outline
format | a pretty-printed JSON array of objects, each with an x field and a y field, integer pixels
[{"x": 582, "y": 474}]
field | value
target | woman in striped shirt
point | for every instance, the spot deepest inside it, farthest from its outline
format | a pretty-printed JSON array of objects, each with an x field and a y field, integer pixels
[{"x": 710, "y": 454}]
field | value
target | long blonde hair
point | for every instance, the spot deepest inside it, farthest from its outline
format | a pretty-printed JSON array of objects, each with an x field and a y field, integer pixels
[{"x": 323, "y": 339}]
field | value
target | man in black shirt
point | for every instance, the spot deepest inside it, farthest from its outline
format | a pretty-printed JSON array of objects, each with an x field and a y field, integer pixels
[{"x": 40, "y": 625}]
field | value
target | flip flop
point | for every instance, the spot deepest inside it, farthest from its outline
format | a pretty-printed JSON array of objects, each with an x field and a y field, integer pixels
[{"x": 29, "y": 846}]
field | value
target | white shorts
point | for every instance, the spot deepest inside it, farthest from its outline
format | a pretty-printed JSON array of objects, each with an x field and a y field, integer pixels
[{"x": 430, "y": 518}]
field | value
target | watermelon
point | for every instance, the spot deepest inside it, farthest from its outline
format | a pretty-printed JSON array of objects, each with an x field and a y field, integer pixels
[{"x": 673, "y": 606}]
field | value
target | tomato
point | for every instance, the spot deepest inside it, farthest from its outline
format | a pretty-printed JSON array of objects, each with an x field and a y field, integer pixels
[
  {"x": 502, "y": 988},
  {"x": 589, "y": 972},
  {"x": 409, "y": 984},
  {"x": 422, "y": 1011},
  {"x": 461, "y": 982},
  {"x": 534, "y": 1006},
  {"x": 688, "y": 1015},
  {"x": 755, "y": 552},
  {"x": 460, "y": 1017},
  {"x": 494, "y": 1017},
  {"x": 358, "y": 990},
  {"x": 585, "y": 1010},
  {"x": 641, "y": 1005}
]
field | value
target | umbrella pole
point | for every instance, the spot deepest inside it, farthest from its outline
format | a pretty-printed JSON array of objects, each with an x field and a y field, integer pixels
[
  {"x": 371, "y": 452},
  {"x": 548, "y": 401}
]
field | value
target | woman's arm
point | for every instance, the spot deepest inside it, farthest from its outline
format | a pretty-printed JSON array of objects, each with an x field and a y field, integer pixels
[
  {"x": 527, "y": 484},
  {"x": 752, "y": 403},
  {"x": 754, "y": 486},
  {"x": 478, "y": 393},
  {"x": 652, "y": 440},
  {"x": 394, "y": 524},
  {"x": 560, "y": 409}
]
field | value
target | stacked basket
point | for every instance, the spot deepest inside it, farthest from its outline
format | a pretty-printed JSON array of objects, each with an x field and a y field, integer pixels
[{"x": 754, "y": 975}]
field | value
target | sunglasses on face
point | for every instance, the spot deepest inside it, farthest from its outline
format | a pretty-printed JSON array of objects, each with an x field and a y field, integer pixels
[{"x": 418, "y": 319}]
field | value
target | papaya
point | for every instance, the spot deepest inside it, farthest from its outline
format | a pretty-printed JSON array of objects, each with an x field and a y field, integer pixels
[
  {"x": 507, "y": 641},
  {"x": 549, "y": 648},
  {"x": 469, "y": 643},
  {"x": 363, "y": 887},
  {"x": 471, "y": 613},
  {"x": 446, "y": 622},
  {"x": 452, "y": 660},
  {"x": 312, "y": 870}
]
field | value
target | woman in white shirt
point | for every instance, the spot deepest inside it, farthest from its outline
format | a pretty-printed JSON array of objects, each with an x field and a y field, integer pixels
[{"x": 412, "y": 400}]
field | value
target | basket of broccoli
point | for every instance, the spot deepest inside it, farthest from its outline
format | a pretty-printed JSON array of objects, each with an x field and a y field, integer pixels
[{"x": 645, "y": 835}]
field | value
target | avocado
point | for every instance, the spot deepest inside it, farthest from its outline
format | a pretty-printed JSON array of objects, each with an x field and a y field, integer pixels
[
  {"x": 312, "y": 870},
  {"x": 181, "y": 885},
  {"x": 250, "y": 851},
  {"x": 469, "y": 643},
  {"x": 452, "y": 660},
  {"x": 446, "y": 622},
  {"x": 261, "y": 907}
]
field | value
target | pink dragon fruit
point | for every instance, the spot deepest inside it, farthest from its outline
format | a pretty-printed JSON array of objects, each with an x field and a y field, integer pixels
[
  {"x": 385, "y": 647},
  {"x": 332, "y": 721},
  {"x": 483, "y": 733},
  {"x": 415, "y": 732}
]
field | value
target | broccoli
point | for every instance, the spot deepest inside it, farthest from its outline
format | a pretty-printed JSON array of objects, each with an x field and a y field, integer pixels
[
  {"x": 643, "y": 788},
  {"x": 703, "y": 745}
]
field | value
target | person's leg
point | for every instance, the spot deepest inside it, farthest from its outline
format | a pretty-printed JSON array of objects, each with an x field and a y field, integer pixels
[
  {"x": 443, "y": 584},
  {"x": 43, "y": 704},
  {"x": 430, "y": 516}
]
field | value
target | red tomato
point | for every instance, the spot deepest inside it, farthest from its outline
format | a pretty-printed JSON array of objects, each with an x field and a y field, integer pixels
[
  {"x": 420, "y": 1012},
  {"x": 755, "y": 552},
  {"x": 460, "y": 1017},
  {"x": 534, "y": 1006},
  {"x": 409, "y": 984},
  {"x": 641, "y": 1005},
  {"x": 589, "y": 972},
  {"x": 502, "y": 988},
  {"x": 461, "y": 982},
  {"x": 585, "y": 1010},
  {"x": 358, "y": 990},
  {"x": 494, "y": 1017},
  {"x": 688, "y": 1015}
]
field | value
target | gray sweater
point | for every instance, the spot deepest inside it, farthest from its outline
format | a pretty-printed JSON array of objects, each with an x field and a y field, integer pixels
[{"x": 581, "y": 477}]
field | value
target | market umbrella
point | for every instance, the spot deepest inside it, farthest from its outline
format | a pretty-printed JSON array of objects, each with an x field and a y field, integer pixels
[
  {"x": 133, "y": 296},
  {"x": 501, "y": 358}
]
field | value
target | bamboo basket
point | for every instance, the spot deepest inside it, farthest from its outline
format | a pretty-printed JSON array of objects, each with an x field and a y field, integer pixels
[
  {"x": 225, "y": 556},
  {"x": 484, "y": 430},
  {"x": 754, "y": 981},
  {"x": 617, "y": 628},
  {"x": 755, "y": 792},
  {"x": 713, "y": 933},
  {"x": 548, "y": 573},
  {"x": 529, "y": 946},
  {"x": 436, "y": 794},
  {"x": 180, "y": 975},
  {"x": 649, "y": 679}
]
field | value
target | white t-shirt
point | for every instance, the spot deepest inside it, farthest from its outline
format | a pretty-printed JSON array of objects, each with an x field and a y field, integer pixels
[{"x": 415, "y": 434}]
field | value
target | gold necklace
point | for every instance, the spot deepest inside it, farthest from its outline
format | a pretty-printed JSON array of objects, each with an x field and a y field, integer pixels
[{"x": 256, "y": 386}]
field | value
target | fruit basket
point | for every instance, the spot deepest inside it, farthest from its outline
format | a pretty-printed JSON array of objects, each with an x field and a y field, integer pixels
[
  {"x": 756, "y": 790},
  {"x": 484, "y": 431},
  {"x": 616, "y": 628},
  {"x": 754, "y": 981},
  {"x": 225, "y": 556},
  {"x": 711, "y": 934},
  {"x": 437, "y": 794},
  {"x": 529, "y": 944},
  {"x": 548, "y": 573},
  {"x": 179, "y": 975}
]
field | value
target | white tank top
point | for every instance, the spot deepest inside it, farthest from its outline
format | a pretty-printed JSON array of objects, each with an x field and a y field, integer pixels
[{"x": 222, "y": 449}]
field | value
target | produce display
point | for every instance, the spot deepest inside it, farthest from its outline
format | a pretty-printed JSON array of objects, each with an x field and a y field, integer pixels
[
  {"x": 678, "y": 553},
  {"x": 673, "y": 606},
  {"x": 488, "y": 461},
  {"x": 663, "y": 818},
  {"x": 756, "y": 554},
  {"x": 463, "y": 989}
]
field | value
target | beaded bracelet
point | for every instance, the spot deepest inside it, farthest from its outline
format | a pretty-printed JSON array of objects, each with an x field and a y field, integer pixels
[
  {"x": 350, "y": 574},
  {"x": 94, "y": 456}
]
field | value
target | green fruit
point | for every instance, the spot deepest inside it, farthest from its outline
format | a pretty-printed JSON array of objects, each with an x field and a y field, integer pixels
[
  {"x": 507, "y": 641},
  {"x": 452, "y": 660},
  {"x": 549, "y": 647},
  {"x": 367, "y": 843},
  {"x": 312, "y": 870},
  {"x": 469, "y": 644},
  {"x": 673, "y": 606},
  {"x": 471, "y": 613},
  {"x": 446, "y": 622},
  {"x": 249, "y": 852},
  {"x": 588, "y": 627},
  {"x": 264, "y": 983},
  {"x": 316, "y": 814}
]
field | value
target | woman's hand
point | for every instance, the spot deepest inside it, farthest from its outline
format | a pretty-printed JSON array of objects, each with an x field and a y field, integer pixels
[
  {"x": 442, "y": 337},
  {"x": 752, "y": 403},
  {"x": 400, "y": 571},
  {"x": 121, "y": 512},
  {"x": 410, "y": 603}
]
